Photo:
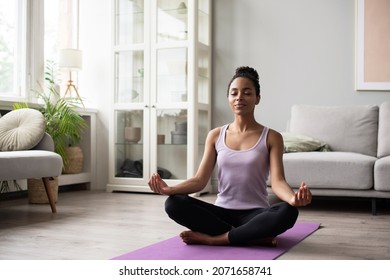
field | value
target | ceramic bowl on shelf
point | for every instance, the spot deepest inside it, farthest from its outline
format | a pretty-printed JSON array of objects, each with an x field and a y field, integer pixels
[
  {"x": 178, "y": 138},
  {"x": 132, "y": 134}
]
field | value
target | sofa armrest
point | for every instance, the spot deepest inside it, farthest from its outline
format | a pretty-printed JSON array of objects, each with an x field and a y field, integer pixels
[{"x": 46, "y": 143}]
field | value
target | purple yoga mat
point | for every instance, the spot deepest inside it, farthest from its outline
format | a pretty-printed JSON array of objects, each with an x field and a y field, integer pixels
[{"x": 175, "y": 249}]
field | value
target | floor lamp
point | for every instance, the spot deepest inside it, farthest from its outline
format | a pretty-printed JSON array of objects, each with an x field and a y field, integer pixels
[{"x": 71, "y": 60}]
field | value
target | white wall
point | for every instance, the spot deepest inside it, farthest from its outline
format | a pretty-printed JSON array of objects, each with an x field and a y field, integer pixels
[
  {"x": 304, "y": 51},
  {"x": 95, "y": 77}
]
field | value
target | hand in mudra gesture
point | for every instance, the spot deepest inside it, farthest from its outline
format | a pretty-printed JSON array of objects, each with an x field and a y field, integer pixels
[
  {"x": 158, "y": 185},
  {"x": 302, "y": 196}
]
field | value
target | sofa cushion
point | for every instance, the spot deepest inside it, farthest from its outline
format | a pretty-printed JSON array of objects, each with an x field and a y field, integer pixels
[
  {"x": 300, "y": 143},
  {"x": 382, "y": 174},
  {"x": 21, "y": 129},
  {"x": 29, "y": 164},
  {"x": 384, "y": 130},
  {"x": 329, "y": 170},
  {"x": 343, "y": 128}
]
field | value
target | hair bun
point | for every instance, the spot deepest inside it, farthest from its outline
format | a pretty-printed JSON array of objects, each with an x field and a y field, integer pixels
[{"x": 247, "y": 71}]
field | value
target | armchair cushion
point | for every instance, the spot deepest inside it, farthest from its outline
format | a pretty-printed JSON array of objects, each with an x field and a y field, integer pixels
[{"x": 21, "y": 129}]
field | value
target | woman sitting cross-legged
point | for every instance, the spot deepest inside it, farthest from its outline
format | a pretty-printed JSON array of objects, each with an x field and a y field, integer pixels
[{"x": 246, "y": 152}]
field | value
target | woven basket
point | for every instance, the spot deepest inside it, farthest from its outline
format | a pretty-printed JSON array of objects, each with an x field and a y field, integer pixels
[
  {"x": 37, "y": 193},
  {"x": 75, "y": 160}
]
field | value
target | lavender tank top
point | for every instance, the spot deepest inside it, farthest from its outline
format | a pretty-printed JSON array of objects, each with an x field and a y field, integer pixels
[{"x": 242, "y": 175}]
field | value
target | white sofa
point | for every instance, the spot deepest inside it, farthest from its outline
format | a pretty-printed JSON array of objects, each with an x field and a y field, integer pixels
[{"x": 358, "y": 164}]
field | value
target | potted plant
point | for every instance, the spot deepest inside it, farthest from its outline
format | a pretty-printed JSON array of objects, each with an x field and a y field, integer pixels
[{"x": 63, "y": 122}]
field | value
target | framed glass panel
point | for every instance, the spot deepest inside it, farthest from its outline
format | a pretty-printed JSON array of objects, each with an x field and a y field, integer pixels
[
  {"x": 129, "y": 22},
  {"x": 9, "y": 29},
  {"x": 172, "y": 75},
  {"x": 172, "y": 143},
  {"x": 203, "y": 76},
  {"x": 129, "y": 144},
  {"x": 172, "y": 20},
  {"x": 129, "y": 77},
  {"x": 203, "y": 130},
  {"x": 203, "y": 21}
]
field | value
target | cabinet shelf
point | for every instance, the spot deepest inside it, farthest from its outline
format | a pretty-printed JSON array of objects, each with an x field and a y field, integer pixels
[
  {"x": 177, "y": 12},
  {"x": 72, "y": 179}
]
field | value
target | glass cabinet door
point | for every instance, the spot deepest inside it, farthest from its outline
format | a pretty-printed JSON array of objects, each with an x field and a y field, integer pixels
[
  {"x": 129, "y": 144},
  {"x": 172, "y": 143}
]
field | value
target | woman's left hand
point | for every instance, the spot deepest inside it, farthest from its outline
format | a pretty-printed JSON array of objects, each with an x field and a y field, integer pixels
[{"x": 302, "y": 197}]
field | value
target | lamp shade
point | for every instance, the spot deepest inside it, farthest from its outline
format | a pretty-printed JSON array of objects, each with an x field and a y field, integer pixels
[{"x": 70, "y": 59}]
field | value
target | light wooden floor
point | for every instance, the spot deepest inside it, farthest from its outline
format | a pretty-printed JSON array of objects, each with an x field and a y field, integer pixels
[{"x": 100, "y": 226}]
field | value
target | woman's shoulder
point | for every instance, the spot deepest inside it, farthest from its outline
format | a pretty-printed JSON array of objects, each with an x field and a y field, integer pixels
[
  {"x": 274, "y": 137},
  {"x": 274, "y": 133},
  {"x": 215, "y": 133}
]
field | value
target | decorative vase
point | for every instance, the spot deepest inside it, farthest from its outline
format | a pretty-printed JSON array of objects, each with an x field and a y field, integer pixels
[
  {"x": 132, "y": 134},
  {"x": 179, "y": 136}
]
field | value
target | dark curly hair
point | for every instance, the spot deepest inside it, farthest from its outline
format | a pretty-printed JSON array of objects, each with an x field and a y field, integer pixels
[{"x": 247, "y": 72}]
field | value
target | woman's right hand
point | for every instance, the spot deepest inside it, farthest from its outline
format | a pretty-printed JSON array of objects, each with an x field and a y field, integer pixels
[{"x": 158, "y": 185}]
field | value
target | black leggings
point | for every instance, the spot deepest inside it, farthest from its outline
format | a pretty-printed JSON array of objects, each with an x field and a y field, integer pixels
[{"x": 243, "y": 226}]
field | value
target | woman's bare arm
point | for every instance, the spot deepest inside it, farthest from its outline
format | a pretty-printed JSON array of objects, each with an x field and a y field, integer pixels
[{"x": 279, "y": 185}]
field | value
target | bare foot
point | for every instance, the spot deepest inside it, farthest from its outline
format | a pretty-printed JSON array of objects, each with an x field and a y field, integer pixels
[{"x": 193, "y": 237}]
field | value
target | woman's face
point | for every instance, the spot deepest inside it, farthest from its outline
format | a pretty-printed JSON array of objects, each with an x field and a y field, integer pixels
[{"x": 242, "y": 96}]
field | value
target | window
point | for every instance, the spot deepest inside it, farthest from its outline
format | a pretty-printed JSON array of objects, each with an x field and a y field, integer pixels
[
  {"x": 61, "y": 26},
  {"x": 32, "y": 32},
  {"x": 11, "y": 31}
]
